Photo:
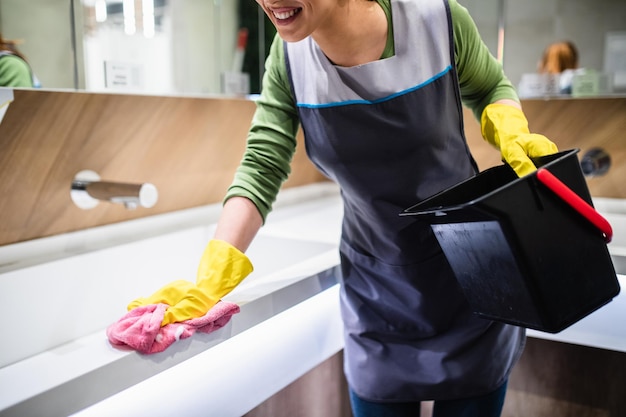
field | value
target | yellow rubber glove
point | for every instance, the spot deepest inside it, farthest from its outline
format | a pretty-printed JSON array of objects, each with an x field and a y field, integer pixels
[
  {"x": 506, "y": 128},
  {"x": 221, "y": 268}
]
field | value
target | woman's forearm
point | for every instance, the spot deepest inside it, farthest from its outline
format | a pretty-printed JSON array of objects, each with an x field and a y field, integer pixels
[{"x": 239, "y": 223}]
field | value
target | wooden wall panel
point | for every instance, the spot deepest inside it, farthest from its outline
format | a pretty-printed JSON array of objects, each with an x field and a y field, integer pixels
[
  {"x": 552, "y": 379},
  {"x": 190, "y": 147},
  {"x": 570, "y": 123},
  {"x": 321, "y": 392},
  {"x": 187, "y": 147},
  {"x": 555, "y": 379}
]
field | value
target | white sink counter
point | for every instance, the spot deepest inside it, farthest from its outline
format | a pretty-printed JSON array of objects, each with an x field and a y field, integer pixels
[
  {"x": 59, "y": 362},
  {"x": 64, "y": 291}
]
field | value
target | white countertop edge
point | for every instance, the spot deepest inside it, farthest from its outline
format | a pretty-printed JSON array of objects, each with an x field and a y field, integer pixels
[
  {"x": 610, "y": 205},
  {"x": 208, "y": 384},
  {"x": 582, "y": 338}
]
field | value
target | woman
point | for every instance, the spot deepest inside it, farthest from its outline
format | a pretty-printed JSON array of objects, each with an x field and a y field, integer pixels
[
  {"x": 377, "y": 87},
  {"x": 14, "y": 69}
]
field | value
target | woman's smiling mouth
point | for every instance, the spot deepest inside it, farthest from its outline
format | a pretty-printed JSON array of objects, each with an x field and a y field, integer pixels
[{"x": 283, "y": 15}]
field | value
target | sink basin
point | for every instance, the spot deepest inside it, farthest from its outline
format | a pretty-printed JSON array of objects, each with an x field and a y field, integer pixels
[
  {"x": 76, "y": 296},
  {"x": 61, "y": 308},
  {"x": 60, "y": 294}
]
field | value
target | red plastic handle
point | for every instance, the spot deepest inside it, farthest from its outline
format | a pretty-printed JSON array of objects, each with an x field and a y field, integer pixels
[{"x": 577, "y": 203}]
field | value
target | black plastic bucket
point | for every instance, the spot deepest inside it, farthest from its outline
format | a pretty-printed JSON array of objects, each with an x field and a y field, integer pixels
[{"x": 528, "y": 251}]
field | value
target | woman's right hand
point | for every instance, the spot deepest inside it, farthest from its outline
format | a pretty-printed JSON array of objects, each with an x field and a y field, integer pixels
[{"x": 222, "y": 267}]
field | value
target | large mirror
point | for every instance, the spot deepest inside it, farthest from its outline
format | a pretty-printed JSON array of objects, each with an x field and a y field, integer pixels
[
  {"x": 594, "y": 26},
  {"x": 145, "y": 46},
  {"x": 190, "y": 46}
]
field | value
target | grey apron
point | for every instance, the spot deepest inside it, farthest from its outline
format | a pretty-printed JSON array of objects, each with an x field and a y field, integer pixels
[{"x": 390, "y": 133}]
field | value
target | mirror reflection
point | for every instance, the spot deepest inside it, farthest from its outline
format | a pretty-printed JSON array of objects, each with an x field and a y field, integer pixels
[
  {"x": 218, "y": 46},
  {"x": 593, "y": 26},
  {"x": 170, "y": 47},
  {"x": 15, "y": 71},
  {"x": 143, "y": 46}
]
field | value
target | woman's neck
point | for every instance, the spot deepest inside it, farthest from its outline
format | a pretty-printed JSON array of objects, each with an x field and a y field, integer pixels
[{"x": 355, "y": 35}]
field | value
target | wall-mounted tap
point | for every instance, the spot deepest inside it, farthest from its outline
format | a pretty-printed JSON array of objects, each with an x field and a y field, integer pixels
[
  {"x": 595, "y": 162},
  {"x": 88, "y": 190}
]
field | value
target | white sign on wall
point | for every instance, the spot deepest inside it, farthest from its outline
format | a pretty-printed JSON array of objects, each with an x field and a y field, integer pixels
[{"x": 122, "y": 76}]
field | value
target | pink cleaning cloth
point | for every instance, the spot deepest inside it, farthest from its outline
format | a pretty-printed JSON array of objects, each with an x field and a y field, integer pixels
[{"x": 141, "y": 329}]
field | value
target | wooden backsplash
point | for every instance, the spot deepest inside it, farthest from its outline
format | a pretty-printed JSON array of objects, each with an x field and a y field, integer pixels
[
  {"x": 187, "y": 147},
  {"x": 571, "y": 123},
  {"x": 190, "y": 147}
]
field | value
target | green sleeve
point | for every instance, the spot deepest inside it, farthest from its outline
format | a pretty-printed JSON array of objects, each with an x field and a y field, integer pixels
[
  {"x": 271, "y": 141},
  {"x": 14, "y": 72},
  {"x": 481, "y": 77}
]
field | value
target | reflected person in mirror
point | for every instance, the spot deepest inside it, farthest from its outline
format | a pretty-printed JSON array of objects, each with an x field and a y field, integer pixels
[
  {"x": 15, "y": 71},
  {"x": 378, "y": 87},
  {"x": 561, "y": 58}
]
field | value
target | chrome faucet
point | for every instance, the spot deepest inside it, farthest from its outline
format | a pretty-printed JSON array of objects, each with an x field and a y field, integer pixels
[
  {"x": 88, "y": 190},
  {"x": 595, "y": 162}
]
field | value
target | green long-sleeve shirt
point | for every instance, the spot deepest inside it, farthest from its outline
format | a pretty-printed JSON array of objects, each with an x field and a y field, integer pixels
[
  {"x": 14, "y": 72},
  {"x": 272, "y": 136}
]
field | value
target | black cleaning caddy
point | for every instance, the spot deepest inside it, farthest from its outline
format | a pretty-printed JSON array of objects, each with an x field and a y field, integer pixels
[{"x": 527, "y": 251}]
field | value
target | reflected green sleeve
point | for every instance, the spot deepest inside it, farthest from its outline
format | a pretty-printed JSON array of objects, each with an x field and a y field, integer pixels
[{"x": 14, "y": 72}]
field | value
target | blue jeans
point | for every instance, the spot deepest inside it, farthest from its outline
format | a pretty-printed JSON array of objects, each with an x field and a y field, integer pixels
[{"x": 489, "y": 405}]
